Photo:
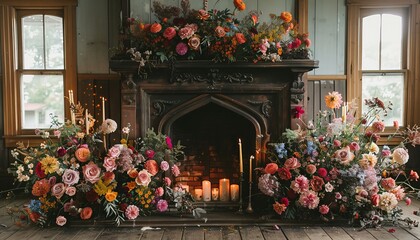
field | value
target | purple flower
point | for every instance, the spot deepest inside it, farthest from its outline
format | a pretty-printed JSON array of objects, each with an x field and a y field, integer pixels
[
  {"x": 162, "y": 205},
  {"x": 181, "y": 49}
]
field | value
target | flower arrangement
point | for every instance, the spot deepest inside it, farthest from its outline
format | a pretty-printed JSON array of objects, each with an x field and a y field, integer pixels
[
  {"x": 184, "y": 33},
  {"x": 334, "y": 167},
  {"x": 70, "y": 177}
]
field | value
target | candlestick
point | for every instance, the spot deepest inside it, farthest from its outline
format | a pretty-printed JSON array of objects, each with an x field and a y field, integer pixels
[
  {"x": 234, "y": 192},
  {"x": 87, "y": 121},
  {"x": 103, "y": 109},
  {"x": 198, "y": 194},
  {"x": 224, "y": 189},
  {"x": 206, "y": 191},
  {"x": 71, "y": 100},
  {"x": 250, "y": 168},
  {"x": 214, "y": 194},
  {"x": 249, "y": 208},
  {"x": 241, "y": 167}
]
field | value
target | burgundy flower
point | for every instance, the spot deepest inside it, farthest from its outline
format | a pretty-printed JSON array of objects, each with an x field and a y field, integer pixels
[
  {"x": 61, "y": 151},
  {"x": 298, "y": 111},
  {"x": 92, "y": 196},
  {"x": 181, "y": 49},
  {"x": 38, "y": 170}
]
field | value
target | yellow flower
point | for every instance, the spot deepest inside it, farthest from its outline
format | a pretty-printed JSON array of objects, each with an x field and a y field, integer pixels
[
  {"x": 49, "y": 164},
  {"x": 102, "y": 188},
  {"x": 110, "y": 195}
]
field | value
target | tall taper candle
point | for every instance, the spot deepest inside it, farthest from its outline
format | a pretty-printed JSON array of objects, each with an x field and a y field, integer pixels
[
  {"x": 103, "y": 109},
  {"x": 71, "y": 100},
  {"x": 241, "y": 167},
  {"x": 344, "y": 112},
  {"x": 87, "y": 122},
  {"x": 250, "y": 168}
]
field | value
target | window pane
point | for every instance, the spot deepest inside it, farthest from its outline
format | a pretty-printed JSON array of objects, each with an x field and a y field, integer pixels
[
  {"x": 41, "y": 96},
  {"x": 391, "y": 52},
  {"x": 389, "y": 87},
  {"x": 54, "y": 42},
  {"x": 370, "y": 42},
  {"x": 32, "y": 42}
]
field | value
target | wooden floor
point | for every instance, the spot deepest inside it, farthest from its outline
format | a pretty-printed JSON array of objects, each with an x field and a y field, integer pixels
[{"x": 279, "y": 230}]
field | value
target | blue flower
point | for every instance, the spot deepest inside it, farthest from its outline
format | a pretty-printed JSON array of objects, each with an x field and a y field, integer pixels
[
  {"x": 35, "y": 205},
  {"x": 310, "y": 148},
  {"x": 281, "y": 151}
]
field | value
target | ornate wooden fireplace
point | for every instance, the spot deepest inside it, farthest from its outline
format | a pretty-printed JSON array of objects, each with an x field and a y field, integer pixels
[{"x": 209, "y": 106}]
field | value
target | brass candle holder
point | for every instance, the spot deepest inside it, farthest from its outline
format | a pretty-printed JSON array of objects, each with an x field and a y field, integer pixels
[{"x": 241, "y": 180}]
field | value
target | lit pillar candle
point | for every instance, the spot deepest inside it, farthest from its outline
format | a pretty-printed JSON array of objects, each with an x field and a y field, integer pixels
[
  {"x": 234, "y": 192},
  {"x": 198, "y": 194},
  {"x": 214, "y": 194},
  {"x": 241, "y": 168},
  {"x": 206, "y": 191},
  {"x": 224, "y": 189},
  {"x": 87, "y": 122}
]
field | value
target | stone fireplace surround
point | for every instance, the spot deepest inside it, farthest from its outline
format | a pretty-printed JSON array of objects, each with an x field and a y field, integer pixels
[{"x": 208, "y": 106}]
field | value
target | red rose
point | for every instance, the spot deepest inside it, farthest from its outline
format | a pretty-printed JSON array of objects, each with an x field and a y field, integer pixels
[
  {"x": 284, "y": 173},
  {"x": 86, "y": 213}
]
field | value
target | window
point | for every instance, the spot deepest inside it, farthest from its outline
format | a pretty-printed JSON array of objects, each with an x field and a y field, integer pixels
[
  {"x": 384, "y": 37},
  {"x": 41, "y": 67},
  {"x": 39, "y": 64},
  {"x": 383, "y": 56}
]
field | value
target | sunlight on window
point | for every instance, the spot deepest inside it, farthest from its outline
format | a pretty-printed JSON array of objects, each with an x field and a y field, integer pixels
[
  {"x": 371, "y": 40},
  {"x": 391, "y": 47}
]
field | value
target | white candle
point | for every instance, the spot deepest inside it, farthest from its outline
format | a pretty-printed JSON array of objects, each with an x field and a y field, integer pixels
[
  {"x": 206, "y": 191},
  {"x": 224, "y": 189},
  {"x": 198, "y": 194},
  {"x": 87, "y": 121},
  {"x": 214, "y": 194},
  {"x": 241, "y": 168},
  {"x": 103, "y": 109},
  {"x": 344, "y": 112},
  {"x": 234, "y": 192},
  {"x": 71, "y": 100},
  {"x": 250, "y": 168}
]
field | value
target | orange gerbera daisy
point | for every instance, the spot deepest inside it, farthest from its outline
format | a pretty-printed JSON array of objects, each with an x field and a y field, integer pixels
[{"x": 333, "y": 100}]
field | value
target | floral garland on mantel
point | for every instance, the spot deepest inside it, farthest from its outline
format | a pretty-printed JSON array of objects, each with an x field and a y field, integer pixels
[{"x": 184, "y": 33}]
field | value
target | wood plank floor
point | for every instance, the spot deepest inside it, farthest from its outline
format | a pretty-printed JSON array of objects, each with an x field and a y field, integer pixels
[{"x": 279, "y": 231}]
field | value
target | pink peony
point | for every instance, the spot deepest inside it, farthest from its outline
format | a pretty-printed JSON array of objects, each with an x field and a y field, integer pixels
[
  {"x": 169, "y": 33},
  {"x": 292, "y": 163},
  {"x": 400, "y": 156},
  {"x": 175, "y": 170},
  {"x": 58, "y": 190},
  {"x": 344, "y": 155},
  {"x": 61, "y": 221},
  {"x": 263, "y": 49},
  {"x": 399, "y": 193},
  {"x": 143, "y": 178},
  {"x": 300, "y": 184},
  {"x": 388, "y": 183},
  {"x": 159, "y": 192},
  {"x": 91, "y": 172},
  {"x": 70, "y": 177},
  {"x": 309, "y": 199},
  {"x": 168, "y": 181},
  {"x": 164, "y": 165},
  {"x": 109, "y": 164},
  {"x": 185, "y": 33},
  {"x": 324, "y": 209},
  {"x": 132, "y": 212},
  {"x": 162, "y": 205},
  {"x": 378, "y": 126}
]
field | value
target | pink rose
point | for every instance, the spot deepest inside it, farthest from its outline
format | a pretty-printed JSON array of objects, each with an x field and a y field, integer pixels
[
  {"x": 337, "y": 143},
  {"x": 169, "y": 33},
  {"x": 152, "y": 167},
  {"x": 162, "y": 205},
  {"x": 61, "y": 221},
  {"x": 388, "y": 183},
  {"x": 168, "y": 181},
  {"x": 159, "y": 192},
  {"x": 354, "y": 146},
  {"x": 132, "y": 212},
  {"x": 71, "y": 191},
  {"x": 185, "y": 32},
  {"x": 114, "y": 152},
  {"x": 292, "y": 163},
  {"x": 150, "y": 153},
  {"x": 70, "y": 177},
  {"x": 164, "y": 165},
  {"x": 375, "y": 199},
  {"x": 194, "y": 43},
  {"x": 300, "y": 184},
  {"x": 378, "y": 126},
  {"x": 181, "y": 49},
  {"x": 324, "y": 209},
  {"x": 193, "y": 26},
  {"x": 344, "y": 156},
  {"x": 109, "y": 164},
  {"x": 58, "y": 190},
  {"x": 271, "y": 168},
  {"x": 220, "y": 31},
  {"x": 310, "y": 169},
  {"x": 338, "y": 195},
  {"x": 91, "y": 172},
  {"x": 143, "y": 178},
  {"x": 175, "y": 170}
]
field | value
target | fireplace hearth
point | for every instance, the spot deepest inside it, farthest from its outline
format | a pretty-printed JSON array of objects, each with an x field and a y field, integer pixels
[{"x": 209, "y": 106}]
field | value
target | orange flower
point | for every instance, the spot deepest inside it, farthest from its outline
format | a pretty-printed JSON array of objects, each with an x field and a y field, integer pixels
[
  {"x": 133, "y": 173},
  {"x": 155, "y": 28},
  {"x": 131, "y": 185},
  {"x": 152, "y": 167},
  {"x": 239, "y": 4},
  {"x": 41, "y": 187},
  {"x": 111, "y": 196},
  {"x": 254, "y": 19},
  {"x": 240, "y": 38},
  {"x": 286, "y": 16},
  {"x": 333, "y": 100},
  {"x": 82, "y": 154},
  {"x": 86, "y": 213}
]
